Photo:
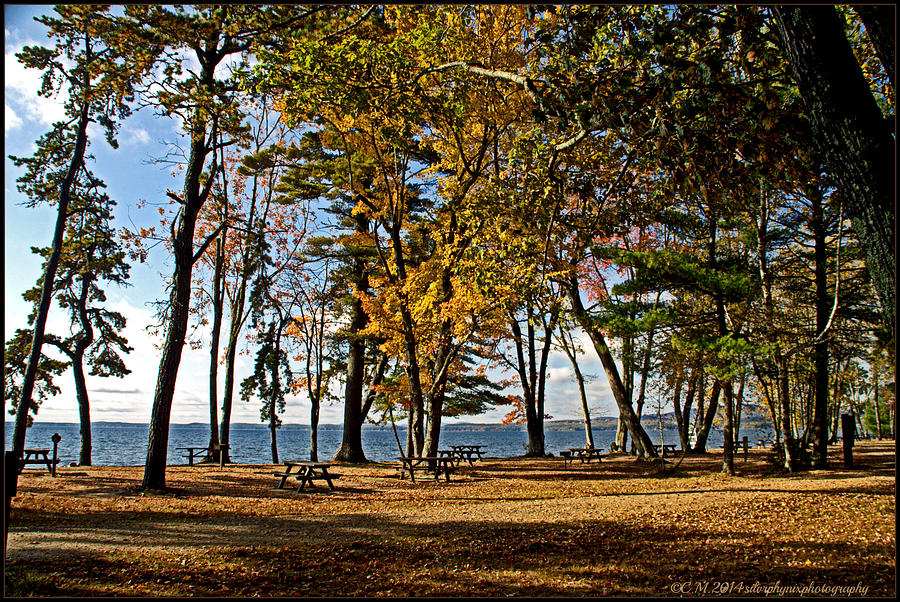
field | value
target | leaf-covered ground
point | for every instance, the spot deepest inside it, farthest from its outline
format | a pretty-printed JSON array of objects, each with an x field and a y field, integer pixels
[{"x": 519, "y": 527}]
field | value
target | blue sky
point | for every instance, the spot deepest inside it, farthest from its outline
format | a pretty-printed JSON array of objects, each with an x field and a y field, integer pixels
[{"x": 130, "y": 177}]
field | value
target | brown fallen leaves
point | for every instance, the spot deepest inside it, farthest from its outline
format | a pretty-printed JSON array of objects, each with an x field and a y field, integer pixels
[{"x": 503, "y": 527}]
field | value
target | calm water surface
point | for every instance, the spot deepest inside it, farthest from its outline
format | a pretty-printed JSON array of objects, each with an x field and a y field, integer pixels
[{"x": 122, "y": 444}]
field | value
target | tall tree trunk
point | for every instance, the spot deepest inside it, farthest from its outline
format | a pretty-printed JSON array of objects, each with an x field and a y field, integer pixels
[
  {"x": 234, "y": 331},
  {"x": 314, "y": 406},
  {"x": 276, "y": 387},
  {"x": 707, "y": 418},
  {"x": 568, "y": 347},
  {"x": 157, "y": 449},
  {"x": 620, "y": 441},
  {"x": 440, "y": 365},
  {"x": 180, "y": 296},
  {"x": 728, "y": 428},
  {"x": 542, "y": 369},
  {"x": 237, "y": 318},
  {"x": 218, "y": 302},
  {"x": 628, "y": 385},
  {"x": 531, "y": 377},
  {"x": 26, "y": 404},
  {"x": 535, "y": 436},
  {"x": 351, "y": 449},
  {"x": 585, "y": 410},
  {"x": 788, "y": 441},
  {"x": 820, "y": 351},
  {"x": 728, "y": 394},
  {"x": 351, "y": 445},
  {"x": 314, "y": 351},
  {"x": 535, "y": 420},
  {"x": 436, "y": 394},
  {"x": 701, "y": 408},
  {"x": 84, "y": 341},
  {"x": 84, "y": 409},
  {"x": 273, "y": 432},
  {"x": 739, "y": 405},
  {"x": 374, "y": 381},
  {"x": 682, "y": 415},
  {"x": 645, "y": 372},
  {"x": 415, "y": 433},
  {"x": 877, "y": 412},
  {"x": 638, "y": 435},
  {"x": 435, "y": 404},
  {"x": 850, "y": 132}
]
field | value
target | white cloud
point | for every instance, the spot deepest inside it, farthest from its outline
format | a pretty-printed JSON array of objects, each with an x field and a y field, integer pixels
[
  {"x": 11, "y": 121},
  {"x": 559, "y": 374},
  {"x": 21, "y": 86},
  {"x": 134, "y": 136}
]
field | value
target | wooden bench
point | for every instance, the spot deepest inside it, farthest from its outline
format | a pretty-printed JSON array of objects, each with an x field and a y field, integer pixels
[
  {"x": 666, "y": 448},
  {"x": 193, "y": 452},
  {"x": 584, "y": 454},
  {"x": 470, "y": 453},
  {"x": 38, "y": 456},
  {"x": 196, "y": 452},
  {"x": 306, "y": 473},
  {"x": 458, "y": 455},
  {"x": 429, "y": 464}
]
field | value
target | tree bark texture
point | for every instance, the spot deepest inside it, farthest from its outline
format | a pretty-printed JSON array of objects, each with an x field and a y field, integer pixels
[
  {"x": 157, "y": 449},
  {"x": 850, "y": 131},
  {"x": 179, "y": 299},
  {"x": 351, "y": 445},
  {"x": 85, "y": 339},
  {"x": 84, "y": 411}
]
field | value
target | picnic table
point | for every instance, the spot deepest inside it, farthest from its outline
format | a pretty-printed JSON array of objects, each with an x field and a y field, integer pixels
[
  {"x": 196, "y": 452},
  {"x": 667, "y": 447},
  {"x": 435, "y": 464},
  {"x": 306, "y": 473},
  {"x": 38, "y": 456},
  {"x": 469, "y": 453},
  {"x": 585, "y": 454}
]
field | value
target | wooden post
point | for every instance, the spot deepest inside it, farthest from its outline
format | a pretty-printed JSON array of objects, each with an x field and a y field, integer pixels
[
  {"x": 222, "y": 448},
  {"x": 56, "y": 438},
  {"x": 848, "y": 433}
]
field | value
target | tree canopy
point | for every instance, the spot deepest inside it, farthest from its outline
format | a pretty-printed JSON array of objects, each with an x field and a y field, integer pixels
[{"x": 451, "y": 191}]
